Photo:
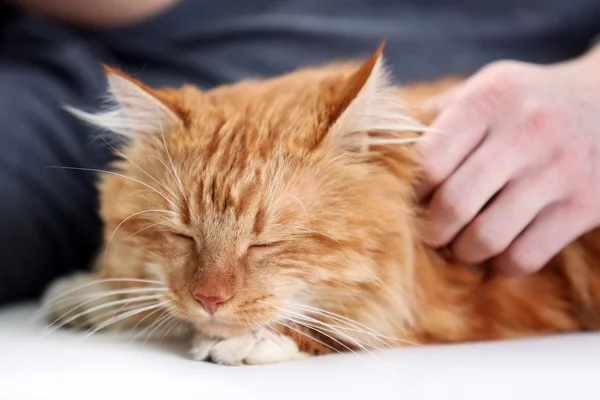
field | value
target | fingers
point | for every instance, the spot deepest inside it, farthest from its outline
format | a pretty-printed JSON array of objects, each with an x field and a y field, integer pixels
[
  {"x": 492, "y": 232},
  {"x": 437, "y": 103},
  {"x": 553, "y": 229},
  {"x": 469, "y": 113},
  {"x": 462, "y": 131},
  {"x": 467, "y": 191}
]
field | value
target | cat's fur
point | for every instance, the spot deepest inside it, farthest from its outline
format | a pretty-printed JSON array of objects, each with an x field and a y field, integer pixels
[{"x": 294, "y": 198}]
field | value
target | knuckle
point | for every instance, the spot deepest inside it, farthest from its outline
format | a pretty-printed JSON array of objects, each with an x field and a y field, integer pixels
[
  {"x": 487, "y": 239},
  {"x": 432, "y": 174},
  {"x": 541, "y": 118},
  {"x": 455, "y": 204},
  {"x": 499, "y": 81},
  {"x": 580, "y": 204},
  {"x": 523, "y": 261}
]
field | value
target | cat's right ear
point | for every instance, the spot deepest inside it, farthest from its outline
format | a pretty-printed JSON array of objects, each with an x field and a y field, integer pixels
[
  {"x": 370, "y": 112},
  {"x": 134, "y": 109}
]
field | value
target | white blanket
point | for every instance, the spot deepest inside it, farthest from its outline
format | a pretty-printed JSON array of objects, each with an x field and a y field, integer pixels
[{"x": 66, "y": 366}]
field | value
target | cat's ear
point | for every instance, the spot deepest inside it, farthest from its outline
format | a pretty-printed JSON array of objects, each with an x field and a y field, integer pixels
[
  {"x": 371, "y": 111},
  {"x": 133, "y": 109}
]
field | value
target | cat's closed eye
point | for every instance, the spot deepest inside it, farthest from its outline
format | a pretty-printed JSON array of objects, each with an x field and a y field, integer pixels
[
  {"x": 263, "y": 246},
  {"x": 181, "y": 244}
]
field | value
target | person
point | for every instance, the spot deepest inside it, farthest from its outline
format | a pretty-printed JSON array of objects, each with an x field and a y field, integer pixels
[{"x": 512, "y": 180}]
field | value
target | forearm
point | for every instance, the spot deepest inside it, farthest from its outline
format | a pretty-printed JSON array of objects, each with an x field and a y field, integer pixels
[{"x": 102, "y": 14}]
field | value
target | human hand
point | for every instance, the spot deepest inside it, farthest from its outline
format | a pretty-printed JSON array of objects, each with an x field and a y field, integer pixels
[{"x": 516, "y": 176}]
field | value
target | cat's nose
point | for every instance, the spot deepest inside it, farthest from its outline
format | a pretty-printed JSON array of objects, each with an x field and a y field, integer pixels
[{"x": 211, "y": 302}]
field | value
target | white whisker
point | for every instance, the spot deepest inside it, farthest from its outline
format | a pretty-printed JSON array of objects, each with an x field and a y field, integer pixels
[
  {"x": 109, "y": 304},
  {"x": 141, "y": 230},
  {"x": 174, "y": 325},
  {"x": 119, "y": 175},
  {"x": 61, "y": 300},
  {"x": 163, "y": 318},
  {"x": 318, "y": 330},
  {"x": 102, "y": 317},
  {"x": 54, "y": 300},
  {"x": 307, "y": 335},
  {"x": 309, "y": 231},
  {"x": 162, "y": 132},
  {"x": 124, "y": 316},
  {"x": 352, "y": 323},
  {"x": 335, "y": 329},
  {"x": 128, "y": 218},
  {"x": 89, "y": 299},
  {"x": 141, "y": 169}
]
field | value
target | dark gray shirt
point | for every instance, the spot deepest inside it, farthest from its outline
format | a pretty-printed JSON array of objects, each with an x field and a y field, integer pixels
[{"x": 220, "y": 41}]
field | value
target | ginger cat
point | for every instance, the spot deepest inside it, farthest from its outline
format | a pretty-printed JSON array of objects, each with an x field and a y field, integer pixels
[{"x": 277, "y": 218}]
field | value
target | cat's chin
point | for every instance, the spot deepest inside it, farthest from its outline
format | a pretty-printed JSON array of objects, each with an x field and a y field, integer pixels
[{"x": 221, "y": 329}]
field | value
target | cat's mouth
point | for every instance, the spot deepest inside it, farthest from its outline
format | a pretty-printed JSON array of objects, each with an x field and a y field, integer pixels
[{"x": 221, "y": 328}]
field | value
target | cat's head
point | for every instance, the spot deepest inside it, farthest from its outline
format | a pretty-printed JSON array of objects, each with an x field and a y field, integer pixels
[{"x": 260, "y": 201}]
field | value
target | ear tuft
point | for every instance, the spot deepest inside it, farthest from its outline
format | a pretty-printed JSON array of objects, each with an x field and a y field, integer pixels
[
  {"x": 373, "y": 112},
  {"x": 133, "y": 109}
]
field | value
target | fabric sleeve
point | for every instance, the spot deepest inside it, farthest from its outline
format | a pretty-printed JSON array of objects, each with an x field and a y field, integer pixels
[{"x": 49, "y": 223}]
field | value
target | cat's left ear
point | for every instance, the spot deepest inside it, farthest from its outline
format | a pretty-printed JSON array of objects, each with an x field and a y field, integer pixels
[
  {"x": 135, "y": 108},
  {"x": 371, "y": 111}
]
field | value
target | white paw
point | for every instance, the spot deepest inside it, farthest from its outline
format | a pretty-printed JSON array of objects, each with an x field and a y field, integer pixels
[
  {"x": 263, "y": 347},
  {"x": 76, "y": 301}
]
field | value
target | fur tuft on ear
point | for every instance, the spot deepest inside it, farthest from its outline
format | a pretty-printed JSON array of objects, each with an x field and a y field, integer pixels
[
  {"x": 133, "y": 109},
  {"x": 373, "y": 111}
]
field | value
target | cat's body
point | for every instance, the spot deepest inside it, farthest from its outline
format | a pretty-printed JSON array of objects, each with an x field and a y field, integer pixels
[{"x": 283, "y": 209}]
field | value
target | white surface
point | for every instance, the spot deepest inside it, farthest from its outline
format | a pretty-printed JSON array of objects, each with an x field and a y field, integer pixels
[{"x": 63, "y": 366}]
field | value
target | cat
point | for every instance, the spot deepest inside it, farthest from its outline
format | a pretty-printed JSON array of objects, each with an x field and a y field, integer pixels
[{"x": 277, "y": 219}]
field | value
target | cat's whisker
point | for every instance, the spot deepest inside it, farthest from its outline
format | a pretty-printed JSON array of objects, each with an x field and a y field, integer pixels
[
  {"x": 134, "y": 327},
  {"x": 121, "y": 176},
  {"x": 101, "y": 317},
  {"x": 108, "y": 280},
  {"x": 304, "y": 321},
  {"x": 298, "y": 331},
  {"x": 43, "y": 309},
  {"x": 60, "y": 322},
  {"x": 163, "y": 311},
  {"x": 254, "y": 326},
  {"x": 335, "y": 329},
  {"x": 80, "y": 301},
  {"x": 392, "y": 141},
  {"x": 344, "y": 332},
  {"x": 332, "y": 315},
  {"x": 356, "y": 325},
  {"x": 162, "y": 132},
  {"x": 164, "y": 318},
  {"x": 128, "y": 218},
  {"x": 99, "y": 294},
  {"x": 93, "y": 320},
  {"x": 168, "y": 330},
  {"x": 128, "y": 195},
  {"x": 320, "y": 330},
  {"x": 302, "y": 228},
  {"x": 272, "y": 190},
  {"x": 143, "y": 170},
  {"x": 295, "y": 198},
  {"x": 166, "y": 168},
  {"x": 349, "y": 323},
  {"x": 141, "y": 230},
  {"x": 126, "y": 315}
]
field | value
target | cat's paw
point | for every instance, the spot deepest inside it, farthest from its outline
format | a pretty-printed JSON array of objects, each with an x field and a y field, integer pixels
[
  {"x": 75, "y": 301},
  {"x": 254, "y": 348}
]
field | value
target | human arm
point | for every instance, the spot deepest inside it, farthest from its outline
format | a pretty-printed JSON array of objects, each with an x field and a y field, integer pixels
[{"x": 101, "y": 14}]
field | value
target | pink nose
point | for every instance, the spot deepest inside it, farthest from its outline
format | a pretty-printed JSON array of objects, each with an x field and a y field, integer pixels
[{"x": 210, "y": 303}]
